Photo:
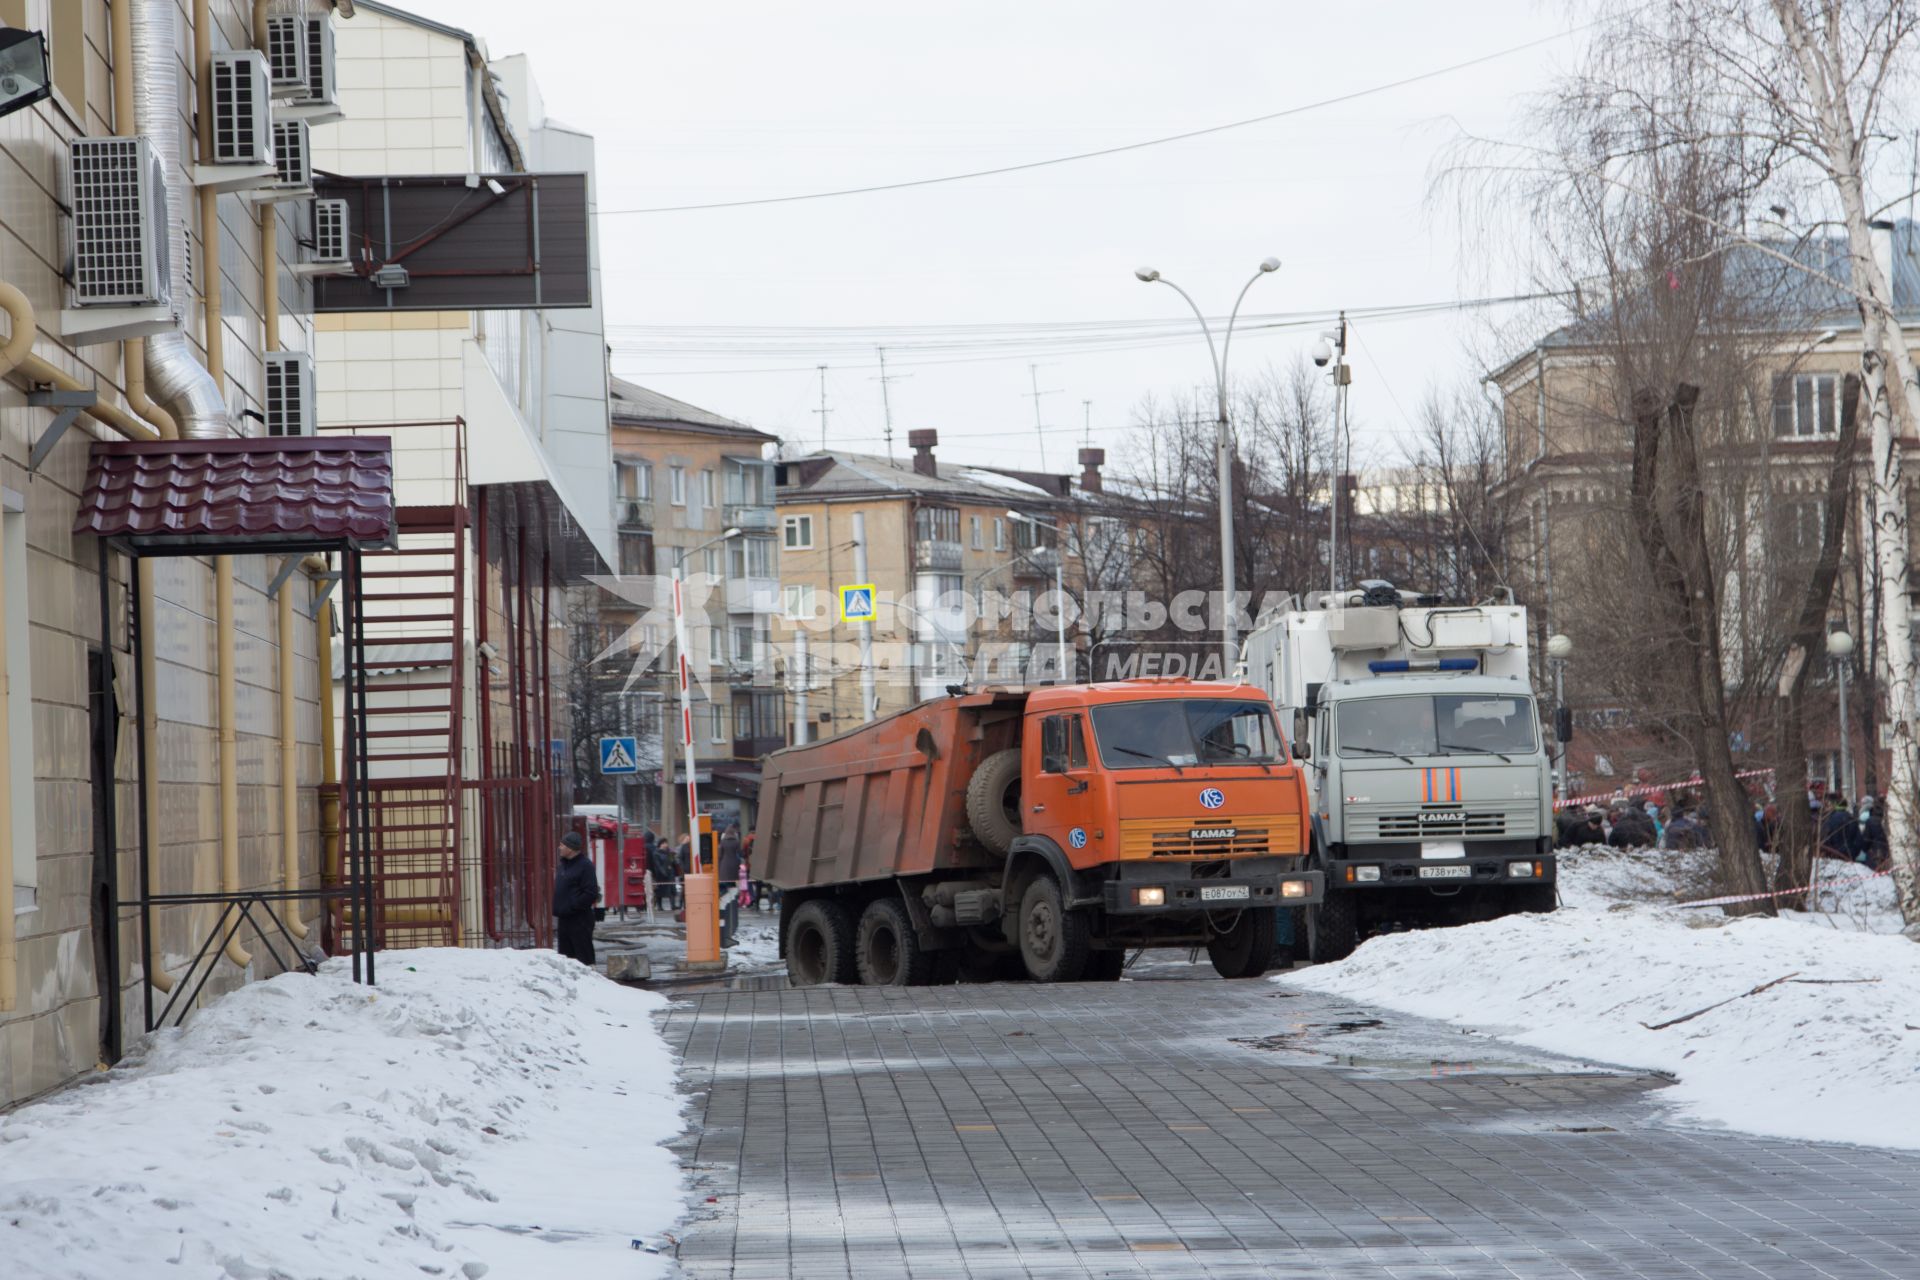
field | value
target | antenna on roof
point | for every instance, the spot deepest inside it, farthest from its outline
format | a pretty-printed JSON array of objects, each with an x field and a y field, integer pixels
[
  {"x": 823, "y": 410},
  {"x": 1039, "y": 429},
  {"x": 886, "y": 405},
  {"x": 1088, "y": 406}
]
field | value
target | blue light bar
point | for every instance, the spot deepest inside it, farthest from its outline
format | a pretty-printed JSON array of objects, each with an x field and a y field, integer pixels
[{"x": 1395, "y": 666}]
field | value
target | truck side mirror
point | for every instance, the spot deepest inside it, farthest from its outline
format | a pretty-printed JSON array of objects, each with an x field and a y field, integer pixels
[
  {"x": 1563, "y": 724},
  {"x": 1302, "y": 749}
]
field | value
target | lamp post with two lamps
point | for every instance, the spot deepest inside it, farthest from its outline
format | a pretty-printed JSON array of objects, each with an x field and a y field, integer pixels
[
  {"x": 1840, "y": 654},
  {"x": 1559, "y": 650},
  {"x": 1223, "y": 442}
]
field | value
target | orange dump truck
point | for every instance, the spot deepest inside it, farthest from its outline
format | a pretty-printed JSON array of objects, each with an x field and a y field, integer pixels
[{"x": 1045, "y": 832}]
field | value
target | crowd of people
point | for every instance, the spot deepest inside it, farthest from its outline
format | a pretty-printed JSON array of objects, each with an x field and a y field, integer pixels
[{"x": 1682, "y": 822}]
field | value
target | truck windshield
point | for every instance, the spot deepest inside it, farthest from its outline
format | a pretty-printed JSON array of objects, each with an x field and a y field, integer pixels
[
  {"x": 1188, "y": 731},
  {"x": 1444, "y": 724}
]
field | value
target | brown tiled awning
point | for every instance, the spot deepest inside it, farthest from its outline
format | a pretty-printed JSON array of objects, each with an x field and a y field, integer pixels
[{"x": 240, "y": 495}]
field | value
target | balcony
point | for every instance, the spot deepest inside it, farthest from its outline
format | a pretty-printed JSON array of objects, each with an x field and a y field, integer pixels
[
  {"x": 936, "y": 556},
  {"x": 748, "y": 517},
  {"x": 633, "y": 514},
  {"x": 752, "y": 749},
  {"x": 753, "y": 595},
  {"x": 1037, "y": 562}
]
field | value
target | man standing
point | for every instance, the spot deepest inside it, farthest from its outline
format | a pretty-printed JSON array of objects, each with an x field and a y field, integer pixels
[
  {"x": 729, "y": 878},
  {"x": 575, "y": 890}
]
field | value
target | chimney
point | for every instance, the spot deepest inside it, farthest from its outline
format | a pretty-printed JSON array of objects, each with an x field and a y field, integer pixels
[
  {"x": 922, "y": 443},
  {"x": 1882, "y": 233},
  {"x": 1091, "y": 461}
]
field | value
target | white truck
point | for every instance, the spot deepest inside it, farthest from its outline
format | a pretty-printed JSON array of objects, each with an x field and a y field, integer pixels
[{"x": 1427, "y": 769}]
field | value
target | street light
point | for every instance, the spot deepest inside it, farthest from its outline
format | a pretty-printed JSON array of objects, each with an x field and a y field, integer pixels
[
  {"x": 1840, "y": 653},
  {"x": 1223, "y": 449},
  {"x": 1059, "y": 589},
  {"x": 1559, "y": 650},
  {"x": 1332, "y": 349}
]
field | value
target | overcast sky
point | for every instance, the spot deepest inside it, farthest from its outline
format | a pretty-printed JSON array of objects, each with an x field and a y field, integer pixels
[{"x": 716, "y": 100}]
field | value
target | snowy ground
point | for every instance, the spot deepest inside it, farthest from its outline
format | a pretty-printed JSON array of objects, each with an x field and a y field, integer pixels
[
  {"x": 1831, "y": 1053},
  {"x": 479, "y": 1112}
]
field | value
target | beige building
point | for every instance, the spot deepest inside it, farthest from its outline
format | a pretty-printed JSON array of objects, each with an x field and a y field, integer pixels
[
  {"x": 156, "y": 346},
  {"x": 952, "y": 552}
]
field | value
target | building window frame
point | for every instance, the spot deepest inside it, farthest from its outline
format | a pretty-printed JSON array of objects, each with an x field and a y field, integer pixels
[
  {"x": 796, "y": 533},
  {"x": 798, "y": 601},
  {"x": 677, "y": 485},
  {"x": 1806, "y": 406}
]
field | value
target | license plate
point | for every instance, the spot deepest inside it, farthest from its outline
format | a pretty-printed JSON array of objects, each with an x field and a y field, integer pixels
[
  {"x": 1223, "y": 892},
  {"x": 1445, "y": 873}
]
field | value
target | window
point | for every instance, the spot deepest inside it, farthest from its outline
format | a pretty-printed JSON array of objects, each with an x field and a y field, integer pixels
[
  {"x": 747, "y": 483},
  {"x": 716, "y": 642},
  {"x": 796, "y": 603},
  {"x": 677, "y": 486},
  {"x": 936, "y": 524},
  {"x": 1806, "y": 405},
  {"x": 999, "y": 533},
  {"x": 974, "y": 538},
  {"x": 712, "y": 560},
  {"x": 706, "y": 487},
  {"x": 750, "y": 557},
  {"x": 1186, "y": 731},
  {"x": 717, "y": 723},
  {"x": 1063, "y": 744},
  {"x": 1414, "y": 725},
  {"x": 743, "y": 643},
  {"x": 636, "y": 554},
  {"x": 797, "y": 532},
  {"x": 636, "y": 481}
]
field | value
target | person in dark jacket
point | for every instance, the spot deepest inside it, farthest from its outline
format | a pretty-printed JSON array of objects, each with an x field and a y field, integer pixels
[
  {"x": 575, "y": 890},
  {"x": 729, "y": 879},
  {"x": 1873, "y": 835},
  {"x": 660, "y": 867},
  {"x": 1588, "y": 830},
  {"x": 1839, "y": 833},
  {"x": 1632, "y": 829}
]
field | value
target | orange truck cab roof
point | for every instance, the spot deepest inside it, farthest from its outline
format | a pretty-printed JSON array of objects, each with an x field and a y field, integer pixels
[{"x": 1047, "y": 698}]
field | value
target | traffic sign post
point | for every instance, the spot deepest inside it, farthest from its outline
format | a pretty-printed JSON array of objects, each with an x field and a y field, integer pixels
[
  {"x": 619, "y": 755},
  {"x": 857, "y": 603}
]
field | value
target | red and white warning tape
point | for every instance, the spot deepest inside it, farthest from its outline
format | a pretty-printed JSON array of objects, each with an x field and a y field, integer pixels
[
  {"x": 1647, "y": 789},
  {"x": 1783, "y": 893}
]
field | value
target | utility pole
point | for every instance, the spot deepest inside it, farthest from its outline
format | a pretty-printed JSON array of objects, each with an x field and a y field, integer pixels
[
  {"x": 802, "y": 680},
  {"x": 1087, "y": 430},
  {"x": 1039, "y": 429},
  {"x": 1336, "y": 473},
  {"x": 823, "y": 410},
  {"x": 866, "y": 628}
]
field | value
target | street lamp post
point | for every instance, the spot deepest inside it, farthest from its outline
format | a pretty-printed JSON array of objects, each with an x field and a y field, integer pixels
[
  {"x": 1840, "y": 652},
  {"x": 1333, "y": 347},
  {"x": 1559, "y": 649},
  {"x": 1059, "y": 589},
  {"x": 1223, "y": 446}
]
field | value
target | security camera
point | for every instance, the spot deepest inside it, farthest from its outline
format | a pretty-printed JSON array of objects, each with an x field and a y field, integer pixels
[
  {"x": 494, "y": 186},
  {"x": 1322, "y": 351}
]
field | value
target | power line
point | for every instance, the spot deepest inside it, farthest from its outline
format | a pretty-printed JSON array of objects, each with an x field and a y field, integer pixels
[{"x": 1111, "y": 151}]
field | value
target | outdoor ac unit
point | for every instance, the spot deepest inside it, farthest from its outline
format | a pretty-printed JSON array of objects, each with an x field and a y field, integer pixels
[
  {"x": 329, "y": 233},
  {"x": 289, "y": 393},
  {"x": 292, "y": 155},
  {"x": 316, "y": 41},
  {"x": 119, "y": 224},
  {"x": 287, "y": 54},
  {"x": 242, "y": 132}
]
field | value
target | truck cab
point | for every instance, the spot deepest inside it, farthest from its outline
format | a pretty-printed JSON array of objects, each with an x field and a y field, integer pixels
[{"x": 1428, "y": 773}]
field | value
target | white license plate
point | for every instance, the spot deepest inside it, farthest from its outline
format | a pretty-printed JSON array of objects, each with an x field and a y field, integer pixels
[
  {"x": 1443, "y": 848},
  {"x": 1223, "y": 892},
  {"x": 1445, "y": 873}
]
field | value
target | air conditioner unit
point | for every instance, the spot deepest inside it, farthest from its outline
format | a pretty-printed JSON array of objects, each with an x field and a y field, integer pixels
[
  {"x": 330, "y": 254},
  {"x": 120, "y": 227},
  {"x": 289, "y": 393},
  {"x": 287, "y": 54},
  {"x": 292, "y": 158},
  {"x": 317, "y": 100},
  {"x": 242, "y": 132}
]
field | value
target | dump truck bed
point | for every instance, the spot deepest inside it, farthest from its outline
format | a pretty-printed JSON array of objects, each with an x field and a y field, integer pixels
[{"x": 886, "y": 799}]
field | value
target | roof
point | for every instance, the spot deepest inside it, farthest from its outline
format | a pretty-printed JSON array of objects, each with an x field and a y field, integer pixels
[
  {"x": 862, "y": 473},
  {"x": 633, "y": 404},
  {"x": 279, "y": 491}
]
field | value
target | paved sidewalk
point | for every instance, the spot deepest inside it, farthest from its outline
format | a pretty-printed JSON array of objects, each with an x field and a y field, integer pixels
[{"x": 1120, "y": 1130}]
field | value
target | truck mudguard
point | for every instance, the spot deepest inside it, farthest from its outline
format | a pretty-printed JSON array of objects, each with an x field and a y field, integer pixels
[{"x": 1076, "y": 889}]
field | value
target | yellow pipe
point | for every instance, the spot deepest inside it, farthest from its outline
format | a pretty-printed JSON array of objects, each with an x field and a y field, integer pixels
[
  {"x": 229, "y": 770},
  {"x": 9, "y": 977},
  {"x": 19, "y": 344},
  {"x": 289, "y": 775},
  {"x": 329, "y": 762}
]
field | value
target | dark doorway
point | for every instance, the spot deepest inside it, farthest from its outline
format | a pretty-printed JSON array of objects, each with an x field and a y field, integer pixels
[{"x": 103, "y": 719}]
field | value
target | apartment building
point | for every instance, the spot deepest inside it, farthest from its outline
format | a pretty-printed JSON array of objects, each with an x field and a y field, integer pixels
[
  {"x": 952, "y": 552},
  {"x": 487, "y": 367},
  {"x": 684, "y": 478},
  {"x": 153, "y": 354}
]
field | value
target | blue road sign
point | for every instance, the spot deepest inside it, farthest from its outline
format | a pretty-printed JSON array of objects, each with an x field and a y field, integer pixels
[{"x": 619, "y": 755}]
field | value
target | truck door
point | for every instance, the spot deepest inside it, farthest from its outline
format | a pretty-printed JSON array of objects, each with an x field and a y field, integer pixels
[{"x": 1059, "y": 796}]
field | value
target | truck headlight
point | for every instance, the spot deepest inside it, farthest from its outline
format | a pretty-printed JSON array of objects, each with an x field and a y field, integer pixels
[
  {"x": 1520, "y": 869},
  {"x": 1293, "y": 888},
  {"x": 1366, "y": 873},
  {"x": 1153, "y": 896}
]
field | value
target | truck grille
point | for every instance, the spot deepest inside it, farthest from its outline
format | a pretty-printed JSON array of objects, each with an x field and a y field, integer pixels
[
  {"x": 1409, "y": 826},
  {"x": 1259, "y": 835}
]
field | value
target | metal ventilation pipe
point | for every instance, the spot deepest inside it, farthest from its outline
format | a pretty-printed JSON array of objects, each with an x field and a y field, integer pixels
[{"x": 174, "y": 377}]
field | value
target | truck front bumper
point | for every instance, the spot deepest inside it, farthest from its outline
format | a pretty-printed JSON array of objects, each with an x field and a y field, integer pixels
[
  {"x": 1167, "y": 888},
  {"x": 1356, "y": 871}
]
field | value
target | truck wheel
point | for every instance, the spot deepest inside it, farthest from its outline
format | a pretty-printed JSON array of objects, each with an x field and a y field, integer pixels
[
  {"x": 1054, "y": 942},
  {"x": 1333, "y": 929},
  {"x": 820, "y": 944},
  {"x": 1246, "y": 950},
  {"x": 1106, "y": 966},
  {"x": 993, "y": 800},
  {"x": 1537, "y": 898},
  {"x": 885, "y": 950}
]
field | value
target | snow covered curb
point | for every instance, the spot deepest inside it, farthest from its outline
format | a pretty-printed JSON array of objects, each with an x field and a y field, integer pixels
[
  {"x": 1837, "y": 1059},
  {"x": 479, "y": 1111}
]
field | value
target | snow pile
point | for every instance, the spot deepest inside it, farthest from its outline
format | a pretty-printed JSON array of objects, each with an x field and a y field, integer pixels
[
  {"x": 1831, "y": 1053},
  {"x": 478, "y": 1111}
]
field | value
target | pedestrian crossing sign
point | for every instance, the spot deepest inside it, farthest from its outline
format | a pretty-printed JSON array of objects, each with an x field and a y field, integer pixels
[
  {"x": 857, "y": 603},
  {"x": 619, "y": 755}
]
